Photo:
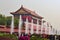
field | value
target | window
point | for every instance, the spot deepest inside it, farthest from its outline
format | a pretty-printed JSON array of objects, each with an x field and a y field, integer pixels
[
  {"x": 24, "y": 17},
  {"x": 35, "y": 21},
  {"x": 39, "y": 22},
  {"x": 28, "y": 17}
]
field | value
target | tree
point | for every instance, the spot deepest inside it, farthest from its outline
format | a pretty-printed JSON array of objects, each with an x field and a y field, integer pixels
[
  {"x": 16, "y": 22},
  {"x": 8, "y": 21},
  {"x": 2, "y": 19}
]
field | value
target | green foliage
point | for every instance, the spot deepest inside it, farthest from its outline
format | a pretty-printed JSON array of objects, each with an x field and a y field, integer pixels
[
  {"x": 45, "y": 39},
  {"x": 8, "y": 36},
  {"x": 2, "y": 20},
  {"x": 16, "y": 21},
  {"x": 7, "y": 20},
  {"x": 37, "y": 37},
  {"x": 0, "y": 16}
]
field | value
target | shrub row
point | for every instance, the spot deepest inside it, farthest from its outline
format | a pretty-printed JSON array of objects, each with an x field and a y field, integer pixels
[
  {"x": 4, "y": 36},
  {"x": 37, "y": 37}
]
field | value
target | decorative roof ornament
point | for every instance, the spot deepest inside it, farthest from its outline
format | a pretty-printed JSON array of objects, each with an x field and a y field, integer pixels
[{"x": 21, "y": 6}]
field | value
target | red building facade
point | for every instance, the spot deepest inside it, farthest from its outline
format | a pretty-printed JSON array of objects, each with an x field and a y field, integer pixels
[{"x": 26, "y": 14}]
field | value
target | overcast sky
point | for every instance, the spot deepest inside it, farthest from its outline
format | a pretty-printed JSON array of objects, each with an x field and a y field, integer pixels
[{"x": 49, "y": 9}]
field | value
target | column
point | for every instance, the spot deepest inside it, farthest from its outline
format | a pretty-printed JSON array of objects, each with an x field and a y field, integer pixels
[
  {"x": 32, "y": 30},
  {"x": 41, "y": 26},
  {"x": 20, "y": 25},
  {"x": 45, "y": 25},
  {"x": 26, "y": 28},
  {"x": 47, "y": 29},
  {"x": 37, "y": 28},
  {"x": 50, "y": 33},
  {"x": 12, "y": 25}
]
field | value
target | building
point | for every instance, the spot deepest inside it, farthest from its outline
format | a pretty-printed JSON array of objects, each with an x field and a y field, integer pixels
[
  {"x": 29, "y": 23},
  {"x": 30, "y": 20}
]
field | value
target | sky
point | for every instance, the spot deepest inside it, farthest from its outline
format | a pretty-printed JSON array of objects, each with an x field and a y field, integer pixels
[{"x": 49, "y": 9}]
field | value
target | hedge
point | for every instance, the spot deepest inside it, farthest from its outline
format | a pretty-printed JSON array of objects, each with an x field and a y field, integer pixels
[{"x": 4, "y": 36}]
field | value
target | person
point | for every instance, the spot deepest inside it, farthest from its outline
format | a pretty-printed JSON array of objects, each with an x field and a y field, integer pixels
[{"x": 21, "y": 37}]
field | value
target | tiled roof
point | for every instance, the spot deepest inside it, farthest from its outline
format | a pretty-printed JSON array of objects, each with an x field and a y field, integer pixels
[{"x": 27, "y": 10}]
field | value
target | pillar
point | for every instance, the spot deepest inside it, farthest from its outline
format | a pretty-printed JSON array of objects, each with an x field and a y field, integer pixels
[
  {"x": 37, "y": 28},
  {"x": 26, "y": 28},
  {"x": 41, "y": 26},
  {"x": 32, "y": 30},
  {"x": 12, "y": 25},
  {"x": 20, "y": 25}
]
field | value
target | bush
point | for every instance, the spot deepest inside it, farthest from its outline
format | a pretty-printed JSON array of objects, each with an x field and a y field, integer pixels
[
  {"x": 37, "y": 37},
  {"x": 8, "y": 36}
]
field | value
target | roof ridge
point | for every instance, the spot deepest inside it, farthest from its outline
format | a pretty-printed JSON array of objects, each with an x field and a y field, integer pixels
[{"x": 29, "y": 11}]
